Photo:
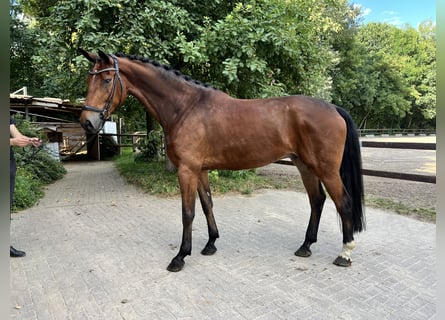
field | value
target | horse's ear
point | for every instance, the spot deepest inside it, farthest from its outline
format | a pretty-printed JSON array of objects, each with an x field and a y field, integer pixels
[
  {"x": 105, "y": 58},
  {"x": 91, "y": 57}
]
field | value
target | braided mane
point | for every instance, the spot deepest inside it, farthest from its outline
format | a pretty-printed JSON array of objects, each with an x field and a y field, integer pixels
[{"x": 167, "y": 68}]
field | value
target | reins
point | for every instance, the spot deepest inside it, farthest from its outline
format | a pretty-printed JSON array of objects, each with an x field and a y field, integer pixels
[
  {"x": 34, "y": 150},
  {"x": 104, "y": 112}
]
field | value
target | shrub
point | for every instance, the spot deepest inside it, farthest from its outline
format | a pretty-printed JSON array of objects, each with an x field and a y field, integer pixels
[
  {"x": 40, "y": 165},
  {"x": 150, "y": 147},
  {"x": 35, "y": 168},
  {"x": 27, "y": 190}
]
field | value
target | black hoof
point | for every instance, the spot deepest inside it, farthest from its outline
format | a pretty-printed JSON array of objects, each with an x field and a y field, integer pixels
[
  {"x": 176, "y": 265},
  {"x": 208, "y": 250},
  {"x": 342, "y": 262},
  {"x": 303, "y": 252}
]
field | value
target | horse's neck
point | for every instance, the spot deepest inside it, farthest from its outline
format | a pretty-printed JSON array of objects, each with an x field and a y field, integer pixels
[{"x": 164, "y": 96}]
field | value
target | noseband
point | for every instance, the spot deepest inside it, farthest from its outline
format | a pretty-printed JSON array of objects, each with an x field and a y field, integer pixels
[{"x": 104, "y": 112}]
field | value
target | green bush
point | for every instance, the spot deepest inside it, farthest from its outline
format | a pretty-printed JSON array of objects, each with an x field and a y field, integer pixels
[
  {"x": 39, "y": 164},
  {"x": 237, "y": 174},
  {"x": 35, "y": 169},
  {"x": 150, "y": 147},
  {"x": 27, "y": 190}
]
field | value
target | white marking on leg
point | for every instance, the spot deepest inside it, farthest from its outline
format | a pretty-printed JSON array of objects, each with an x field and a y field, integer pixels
[{"x": 347, "y": 250}]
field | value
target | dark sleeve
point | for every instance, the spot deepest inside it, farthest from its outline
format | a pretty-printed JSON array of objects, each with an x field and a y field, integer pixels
[{"x": 11, "y": 151}]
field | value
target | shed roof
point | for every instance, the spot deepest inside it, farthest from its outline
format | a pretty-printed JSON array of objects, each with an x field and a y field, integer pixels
[{"x": 22, "y": 101}]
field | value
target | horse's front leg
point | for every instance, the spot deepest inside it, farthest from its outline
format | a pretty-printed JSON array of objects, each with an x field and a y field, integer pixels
[
  {"x": 188, "y": 184},
  {"x": 205, "y": 197}
]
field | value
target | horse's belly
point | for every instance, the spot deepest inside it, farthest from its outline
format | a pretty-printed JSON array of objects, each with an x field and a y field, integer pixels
[{"x": 238, "y": 159}]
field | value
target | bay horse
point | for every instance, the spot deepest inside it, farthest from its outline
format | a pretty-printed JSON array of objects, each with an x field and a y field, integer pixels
[{"x": 208, "y": 129}]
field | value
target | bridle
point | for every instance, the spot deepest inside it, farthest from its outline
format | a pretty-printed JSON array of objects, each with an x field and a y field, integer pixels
[{"x": 104, "y": 112}]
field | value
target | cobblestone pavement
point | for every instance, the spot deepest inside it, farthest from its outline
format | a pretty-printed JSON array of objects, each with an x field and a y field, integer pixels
[{"x": 97, "y": 248}]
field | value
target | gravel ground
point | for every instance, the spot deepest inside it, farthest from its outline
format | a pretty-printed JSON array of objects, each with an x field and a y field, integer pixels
[{"x": 410, "y": 193}]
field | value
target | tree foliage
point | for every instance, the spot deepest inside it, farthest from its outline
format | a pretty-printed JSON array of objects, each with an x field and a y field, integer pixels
[
  {"x": 23, "y": 39},
  {"x": 268, "y": 47},
  {"x": 383, "y": 75},
  {"x": 386, "y": 76}
]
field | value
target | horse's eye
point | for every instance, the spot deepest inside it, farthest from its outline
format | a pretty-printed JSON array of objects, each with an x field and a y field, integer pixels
[{"x": 107, "y": 81}]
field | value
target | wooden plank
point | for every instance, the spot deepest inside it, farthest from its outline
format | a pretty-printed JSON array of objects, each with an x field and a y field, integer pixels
[
  {"x": 400, "y": 175},
  {"x": 398, "y": 145},
  {"x": 386, "y": 174}
]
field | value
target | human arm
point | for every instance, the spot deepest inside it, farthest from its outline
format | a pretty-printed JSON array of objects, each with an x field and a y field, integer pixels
[{"x": 20, "y": 140}]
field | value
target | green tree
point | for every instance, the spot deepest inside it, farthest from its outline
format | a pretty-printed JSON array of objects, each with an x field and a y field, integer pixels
[
  {"x": 264, "y": 48},
  {"x": 145, "y": 28},
  {"x": 382, "y": 75},
  {"x": 257, "y": 49},
  {"x": 385, "y": 76},
  {"x": 424, "y": 77},
  {"x": 21, "y": 50}
]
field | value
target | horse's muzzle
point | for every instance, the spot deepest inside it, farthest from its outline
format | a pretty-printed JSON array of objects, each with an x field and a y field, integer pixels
[{"x": 89, "y": 127}]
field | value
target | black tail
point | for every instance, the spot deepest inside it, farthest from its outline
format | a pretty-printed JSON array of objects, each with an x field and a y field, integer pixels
[{"x": 351, "y": 172}]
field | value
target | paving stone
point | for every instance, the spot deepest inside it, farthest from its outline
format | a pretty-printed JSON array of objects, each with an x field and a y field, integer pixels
[{"x": 98, "y": 248}]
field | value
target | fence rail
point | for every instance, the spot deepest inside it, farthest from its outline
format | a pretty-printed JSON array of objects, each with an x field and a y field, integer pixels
[
  {"x": 390, "y": 174},
  {"x": 392, "y": 131},
  {"x": 400, "y": 175},
  {"x": 399, "y": 145}
]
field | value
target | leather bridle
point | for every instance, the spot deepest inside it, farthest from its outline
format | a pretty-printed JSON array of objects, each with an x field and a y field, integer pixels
[{"x": 104, "y": 112}]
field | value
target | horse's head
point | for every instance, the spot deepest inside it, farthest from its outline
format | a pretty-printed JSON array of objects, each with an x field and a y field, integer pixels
[{"x": 105, "y": 91}]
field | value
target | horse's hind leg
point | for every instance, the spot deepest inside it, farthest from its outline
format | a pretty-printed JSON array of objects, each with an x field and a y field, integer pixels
[
  {"x": 317, "y": 199},
  {"x": 334, "y": 186},
  {"x": 207, "y": 206}
]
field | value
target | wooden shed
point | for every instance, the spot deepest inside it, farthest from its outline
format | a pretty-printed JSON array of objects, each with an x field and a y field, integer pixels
[{"x": 57, "y": 118}]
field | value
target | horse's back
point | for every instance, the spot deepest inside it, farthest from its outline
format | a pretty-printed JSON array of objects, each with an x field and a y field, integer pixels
[{"x": 310, "y": 107}]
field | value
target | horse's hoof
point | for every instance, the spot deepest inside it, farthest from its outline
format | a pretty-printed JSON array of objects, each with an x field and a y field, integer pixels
[
  {"x": 208, "y": 250},
  {"x": 175, "y": 265},
  {"x": 342, "y": 262},
  {"x": 303, "y": 252}
]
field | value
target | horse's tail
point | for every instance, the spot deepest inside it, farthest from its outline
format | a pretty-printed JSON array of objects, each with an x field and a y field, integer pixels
[{"x": 351, "y": 173}]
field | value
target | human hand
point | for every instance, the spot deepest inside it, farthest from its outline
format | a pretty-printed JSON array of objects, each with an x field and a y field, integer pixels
[
  {"x": 21, "y": 141},
  {"x": 35, "y": 142}
]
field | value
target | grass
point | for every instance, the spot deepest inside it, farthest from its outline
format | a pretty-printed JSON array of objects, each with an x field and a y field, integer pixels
[
  {"x": 153, "y": 178},
  {"x": 423, "y": 214}
]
